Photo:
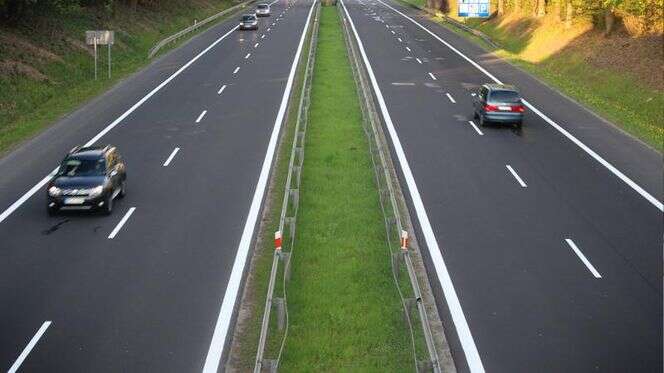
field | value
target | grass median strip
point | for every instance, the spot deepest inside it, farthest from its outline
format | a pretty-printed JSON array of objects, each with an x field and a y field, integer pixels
[{"x": 344, "y": 309}]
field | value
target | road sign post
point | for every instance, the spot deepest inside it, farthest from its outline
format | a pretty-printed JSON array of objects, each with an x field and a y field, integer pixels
[{"x": 101, "y": 37}]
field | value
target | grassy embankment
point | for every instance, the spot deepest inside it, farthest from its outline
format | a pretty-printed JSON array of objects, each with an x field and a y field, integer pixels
[
  {"x": 46, "y": 70},
  {"x": 618, "y": 77},
  {"x": 345, "y": 312}
]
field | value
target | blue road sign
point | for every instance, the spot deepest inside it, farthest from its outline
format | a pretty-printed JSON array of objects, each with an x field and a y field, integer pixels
[{"x": 474, "y": 8}]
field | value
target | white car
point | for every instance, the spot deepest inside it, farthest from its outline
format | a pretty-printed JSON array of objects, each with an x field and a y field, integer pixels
[
  {"x": 249, "y": 22},
  {"x": 262, "y": 10}
]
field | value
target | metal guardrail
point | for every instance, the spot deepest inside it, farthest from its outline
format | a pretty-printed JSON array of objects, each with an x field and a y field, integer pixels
[
  {"x": 154, "y": 50},
  {"x": 288, "y": 216},
  {"x": 394, "y": 227}
]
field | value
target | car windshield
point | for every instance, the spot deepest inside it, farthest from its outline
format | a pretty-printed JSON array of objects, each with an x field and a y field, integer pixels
[
  {"x": 82, "y": 167},
  {"x": 262, "y": 6},
  {"x": 247, "y": 18},
  {"x": 505, "y": 96}
]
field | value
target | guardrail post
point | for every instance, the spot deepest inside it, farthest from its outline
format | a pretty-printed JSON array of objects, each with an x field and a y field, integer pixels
[
  {"x": 278, "y": 304},
  {"x": 295, "y": 197},
  {"x": 396, "y": 264}
]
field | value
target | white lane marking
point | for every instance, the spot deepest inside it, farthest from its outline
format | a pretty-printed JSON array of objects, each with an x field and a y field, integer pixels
[
  {"x": 654, "y": 201},
  {"x": 14, "y": 206},
  {"x": 121, "y": 223},
  {"x": 458, "y": 317},
  {"x": 263, "y": 36},
  {"x": 256, "y": 45},
  {"x": 233, "y": 285},
  {"x": 200, "y": 117},
  {"x": 392, "y": 31},
  {"x": 473, "y": 94},
  {"x": 432, "y": 76},
  {"x": 516, "y": 176},
  {"x": 404, "y": 83},
  {"x": 221, "y": 89},
  {"x": 408, "y": 49},
  {"x": 399, "y": 40},
  {"x": 268, "y": 30},
  {"x": 236, "y": 70},
  {"x": 419, "y": 60},
  {"x": 272, "y": 25},
  {"x": 247, "y": 56},
  {"x": 475, "y": 127},
  {"x": 450, "y": 97},
  {"x": 170, "y": 157},
  {"x": 26, "y": 351},
  {"x": 583, "y": 258}
]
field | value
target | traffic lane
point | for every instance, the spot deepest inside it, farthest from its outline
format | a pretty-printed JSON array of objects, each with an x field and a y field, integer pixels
[
  {"x": 25, "y": 165},
  {"x": 637, "y": 160},
  {"x": 483, "y": 194},
  {"x": 623, "y": 216},
  {"x": 140, "y": 143}
]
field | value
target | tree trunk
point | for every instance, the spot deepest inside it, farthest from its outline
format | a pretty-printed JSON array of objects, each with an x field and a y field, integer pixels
[
  {"x": 501, "y": 7},
  {"x": 134, "y": 4},
  {"x": 569, "y": 13},
  {"x": 556, "y": 10},
  {"x": 609, "y": 21},
  {"x": 517, "y": 6},
  {"x": 540, "y": 8}
]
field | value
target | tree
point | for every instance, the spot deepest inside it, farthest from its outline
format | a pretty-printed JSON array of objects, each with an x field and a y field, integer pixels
[
  {"x": 501, "y": 7},
  {"x": 517, "y": 5},
  {"x": 569, "y": 13}
]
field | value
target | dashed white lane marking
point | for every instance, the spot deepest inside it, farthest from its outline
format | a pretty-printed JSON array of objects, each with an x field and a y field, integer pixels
[
  {"x": 236, "y": 70},
  {"x": 400, "y": 41},
  {"x": 256, "y": 45},
  {"x": 268, "y": 29},
  {"x": 516, "y": 176},
  {"x": 271, "y": 25},
  {"x": 442, "y": 273},
  {"x": 392, "y": 31},
  {"x": 170, "y": 157},
  {"x": 450, "y": 97},
  {"x": 200, "y": 116},
  {"x": 121, "y": 223},
  {"x": 232, "y": 291},
  {"x": 26, "y": 351},
  {"x": 247, "y": 56},
  {"x": 408, "y": 49},
  {"x": 221, "y": 89},
  {"x": 263, "y": 36},
  {"x": 432, "y": 76},
  {"x": 477, "y": 129},
  {"x": 637, "y": 188},
  {"x": 404, "y": 83},
  {"x": 419, "y": 61},
  {"x": 583, "y": 258}
]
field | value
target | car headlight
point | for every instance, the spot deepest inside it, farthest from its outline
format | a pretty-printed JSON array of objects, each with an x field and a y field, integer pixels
[
  {"x": 96, "y": 191},
  {"x": 54, "y": 191}
]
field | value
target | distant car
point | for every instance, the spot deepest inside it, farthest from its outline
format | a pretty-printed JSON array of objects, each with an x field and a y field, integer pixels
[
  {"x": 89, "y": 178},
  {"x": 499, "y": 103},
  {"x": 263, "y": 10},
  {"x": 249, "y": 22}
]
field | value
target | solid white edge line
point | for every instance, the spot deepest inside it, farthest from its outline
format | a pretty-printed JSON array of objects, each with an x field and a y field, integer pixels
[
  {"x": 233, "y": 287},
  {"x": 121, "y": 223},
  {"x": 458, "y": 317},
  {"x": 583, "y": 258},
  {"x": 516, "y": 176},
  {"x": 170, "y": 157},
  {"x": 237, "y": 68},
  {"x": 200, "y": 117},
  {"x": 26, "y": 351},
  {"x": 221, "y": 89},
  {"x": 432, "y": 76},
  {"x": 654, "y": 201},
  {"x": 451, "y": 98},
  {"x": 477, "y": 129},
  {"x": 5, "y": 214}
]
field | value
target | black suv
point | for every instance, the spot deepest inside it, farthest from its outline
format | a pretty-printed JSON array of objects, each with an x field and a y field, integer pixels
[{"x": 89, "y": 178}]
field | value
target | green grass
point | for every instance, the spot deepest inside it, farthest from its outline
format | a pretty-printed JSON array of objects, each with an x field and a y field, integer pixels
[
  {"x": 613, "y": 94},
  {"x": 28, "y": 105},
  {"x": 345, "y": 313}
]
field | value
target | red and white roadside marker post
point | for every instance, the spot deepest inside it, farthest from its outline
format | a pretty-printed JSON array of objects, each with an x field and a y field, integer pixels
[
  {"x": 404, "y": 241},
  {"x": 277, "y": 242}
]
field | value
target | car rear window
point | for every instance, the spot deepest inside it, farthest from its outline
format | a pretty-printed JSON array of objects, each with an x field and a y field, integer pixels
[
  {"x": 262, "y": 6},
  {"x": 504, "y": 96},
  {"x": 247, "y": 18}
]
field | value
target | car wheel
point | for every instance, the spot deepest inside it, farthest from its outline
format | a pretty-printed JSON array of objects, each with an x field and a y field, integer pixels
[
  {"x": 123, "y": 189},
  {"x": 482, "y": 121},
  {"x": 108, "y": 206},
  {"x": 519, "y": 124},
  {"x": 51, "y": 210},
  {"x": 475, "y": 116}
]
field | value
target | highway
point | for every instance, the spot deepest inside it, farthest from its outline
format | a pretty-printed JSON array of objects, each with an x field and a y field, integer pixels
[
  {"x": 153, "y": 286},
  {"x": 544, "y": 245}
]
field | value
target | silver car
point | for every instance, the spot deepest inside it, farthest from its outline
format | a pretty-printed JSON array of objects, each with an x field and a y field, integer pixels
[
  {"x": 263, "y": 10},
  {"x": 249, "y": 22},
  {"x": 499, "y": 103}
]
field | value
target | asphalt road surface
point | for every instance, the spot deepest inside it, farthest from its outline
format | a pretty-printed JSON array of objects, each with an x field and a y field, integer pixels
[
  {"x": 544, "y": 244},
  {"x": 142, "y": 289}
]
